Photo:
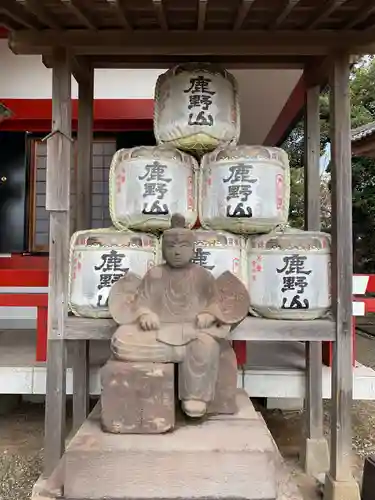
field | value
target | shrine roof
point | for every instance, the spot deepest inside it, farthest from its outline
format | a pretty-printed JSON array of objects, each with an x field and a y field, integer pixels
[
  {"x": 363, "y": 132},
  {"x": 162, "y": 31}
]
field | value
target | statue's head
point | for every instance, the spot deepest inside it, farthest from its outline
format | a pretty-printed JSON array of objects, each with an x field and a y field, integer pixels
[{"x": 178, "y": 243}]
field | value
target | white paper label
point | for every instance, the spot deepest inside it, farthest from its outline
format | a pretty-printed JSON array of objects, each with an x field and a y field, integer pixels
[
  {"x": 96, "y": 270},
  {"x": 218, "y": 260},
  {"x": 243, "y": 190},
  {"x": 295, "y": 281},
  {"x": 152, "y": 188}
]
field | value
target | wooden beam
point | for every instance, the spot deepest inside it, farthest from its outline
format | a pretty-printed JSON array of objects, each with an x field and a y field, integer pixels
[
  {"x": 120, "y": 9},
  {"x": 242, "y": 13},
  {"x": 81, "y": 382},
  {"x": 202, "y": 12},
  {"x": 19, "y": 14},
  {"x": 81, "y": 13},
  {"x": 81, "y": 69},
  {"x": 288, "y": 116},
  {"x": 8, "y": 23},
  {"x": 342, "y": 270},
  {"x": 183, "y": 43},
  {"x": 312, "y": 159},
  {"x": 81, "y": 359},
  {"x": 37, "y": 8},
  {"x": 80, "y": 66},
  {"x": 360, "y": 15},
  {"x": 316, "y": 456},
  {"x": 59, "y": 157},
  {"x": 283, "y": 13},
  {"x": 322, "y": 12},
  {"x": 84, "y": 166},
  {"x": 317, "y": 71},
  {"x": 231, "y": 62},
  {"x": 251, "y": 329},
  {"x": 160, "y": 14}
]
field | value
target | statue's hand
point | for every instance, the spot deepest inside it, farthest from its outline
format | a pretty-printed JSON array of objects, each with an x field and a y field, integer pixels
[
  {"x": 205, "y": 320},
  {"x": 149, "y": 321}
]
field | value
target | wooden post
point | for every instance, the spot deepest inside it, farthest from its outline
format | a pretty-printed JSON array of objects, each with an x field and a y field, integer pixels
[
  {"x": 59, "y": 156},
  {"x": 81, "y": 362},
  {"x": 316, "y": 455},
  {"x": 340, "y": 482}
]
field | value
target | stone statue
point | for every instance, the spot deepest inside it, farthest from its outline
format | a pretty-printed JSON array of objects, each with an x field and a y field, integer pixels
[{"x": 180, "y": 314}]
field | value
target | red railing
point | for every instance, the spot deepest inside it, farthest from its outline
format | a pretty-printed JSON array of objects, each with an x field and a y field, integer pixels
[{"x": 21, "y": 272}]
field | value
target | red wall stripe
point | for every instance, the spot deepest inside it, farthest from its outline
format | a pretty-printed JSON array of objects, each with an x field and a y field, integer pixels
[{"x": 35, "y": 115}]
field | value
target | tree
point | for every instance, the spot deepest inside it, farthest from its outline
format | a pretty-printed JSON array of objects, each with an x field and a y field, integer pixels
[{"x": 362, "y": 91}]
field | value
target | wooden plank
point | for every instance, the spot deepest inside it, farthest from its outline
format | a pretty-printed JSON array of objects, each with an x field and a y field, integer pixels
[
  {"x": 283, "y": 13},
  {"x": 323, "y": 11},
  {"x": 81, "y": 361},
  {"x": 59, "y": 143},
  {"x": 119, "y": 6},
  {"x": 19, "y": 14},
  {"x": 37, "y": 8},
  {"x": 203, "y": 43},
  {"x": 84, "y": 15},
  {"x": 250, "y": 329},
  {"x": 202, "y": 11},
  {"x": 242, "y": 13},
  {"x": 342, "y": 268},
  {"x": 361, "y": 15},
  {"x": 313, "y": 352},
  {"x": 160, "y": 14},
  {"x": 58, "y": 170}
]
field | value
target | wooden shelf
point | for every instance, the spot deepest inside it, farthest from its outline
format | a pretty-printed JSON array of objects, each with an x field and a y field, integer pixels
[
  {"x": 251, "y": 329},
  {"x": 261, "y": 329}
]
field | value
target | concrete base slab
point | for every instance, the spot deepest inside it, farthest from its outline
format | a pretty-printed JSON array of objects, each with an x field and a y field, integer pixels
[
  {"x": 315, "y": 457},
  {"x": 341, "y": 490},
  {"x": 222, "y": 457},
  {"x": 285, "y": 404}
]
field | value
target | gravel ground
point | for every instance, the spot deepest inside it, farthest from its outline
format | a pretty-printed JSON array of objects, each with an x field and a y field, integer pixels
[{"x": 21, "y": 439}]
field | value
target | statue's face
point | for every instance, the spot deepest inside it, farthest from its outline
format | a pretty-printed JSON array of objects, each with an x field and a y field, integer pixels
[{"x": 178, "y": 251}]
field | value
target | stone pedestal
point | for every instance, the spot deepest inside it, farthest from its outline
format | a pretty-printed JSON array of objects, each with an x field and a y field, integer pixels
[
  {"x": 137, "y": 398},
  {"x": 225, "y": 456}
]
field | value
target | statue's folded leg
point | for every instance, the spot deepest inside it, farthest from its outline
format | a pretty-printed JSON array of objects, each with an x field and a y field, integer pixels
[
  {"x": 129, "y": 343},
  {"x": 198, "y": 374}
]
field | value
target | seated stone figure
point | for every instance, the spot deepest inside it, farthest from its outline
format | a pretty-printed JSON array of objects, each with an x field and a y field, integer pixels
[{"x": 179, "y": 313}]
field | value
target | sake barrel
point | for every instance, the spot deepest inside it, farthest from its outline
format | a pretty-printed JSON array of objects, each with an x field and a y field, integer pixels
[
  {"x": 196, "y": 108},
  {"x": 289, "y": 274},
  {"x": 244, "y": 189},
  {"x": 100, "y": 257},
  {"x": 218, "y": 251},
  {"x": 147, "y": 185}
]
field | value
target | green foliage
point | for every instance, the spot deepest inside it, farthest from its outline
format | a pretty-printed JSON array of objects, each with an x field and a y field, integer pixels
[
  {"x": 362, "y": 112},
  {"x": 364, "y": 214}
]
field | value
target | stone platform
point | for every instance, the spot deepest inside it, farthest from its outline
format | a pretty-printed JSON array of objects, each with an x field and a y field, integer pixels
[{"x": 224, "y": 457}]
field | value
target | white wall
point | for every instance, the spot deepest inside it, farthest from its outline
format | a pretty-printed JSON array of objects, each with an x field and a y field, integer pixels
[{"x": 263, "y": 93}]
